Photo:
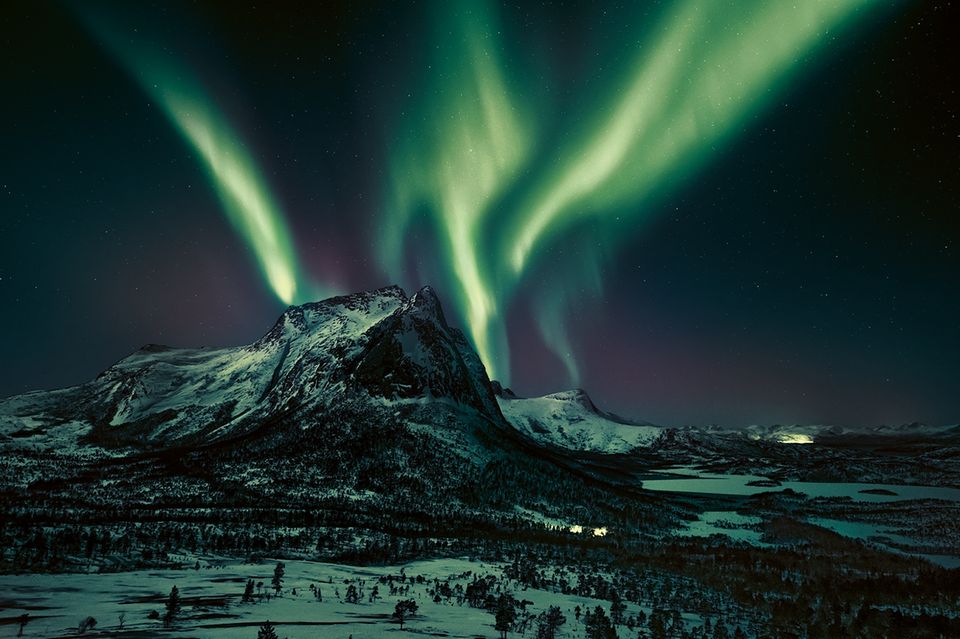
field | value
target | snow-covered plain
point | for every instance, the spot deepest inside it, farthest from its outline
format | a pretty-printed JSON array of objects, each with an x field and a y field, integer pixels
[{"x": 212, "y": 606}]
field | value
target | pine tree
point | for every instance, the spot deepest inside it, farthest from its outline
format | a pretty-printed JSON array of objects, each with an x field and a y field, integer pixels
[
  {"x": 352, "y": 596},
  {"x": 617, "y": 608},
  {"x": 598, "y": 625},
  {"x": 404, "y": 609},
  {"x": 267, "y": 631},
  {"x": 548, "y": 622},
  {"x": 277, "y": 580},
  {"x": 173, "y": 607},
  {"x": 248, "y": 592},
  {"x": 657, "y": 626},
  {"x": 505, "y": 614},
  {"x": 720, "y": 631},
  {"x": 91, "y": 543}
]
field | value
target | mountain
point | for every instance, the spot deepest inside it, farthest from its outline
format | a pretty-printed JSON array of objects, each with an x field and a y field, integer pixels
[
  {"x": 366, "y": 410},
  {"x": 366, "y": 397},
  {"x": 570, "y": 420},
  {"x": 378, "y": 346}
]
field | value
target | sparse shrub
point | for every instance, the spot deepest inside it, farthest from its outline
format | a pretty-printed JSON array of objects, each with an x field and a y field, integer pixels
[{"x": 87, "y": 624}]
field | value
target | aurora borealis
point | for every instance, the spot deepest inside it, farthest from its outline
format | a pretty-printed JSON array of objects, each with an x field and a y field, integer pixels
[
  {"x": 706, "y": 67},
  {"x": 472, "y": 139},
  {"x": 699, "y": 211},
  {"x": 232, "y": 172}
]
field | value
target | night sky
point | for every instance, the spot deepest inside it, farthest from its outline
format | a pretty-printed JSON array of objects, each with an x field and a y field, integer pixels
[{"x": 701, "y": 212}]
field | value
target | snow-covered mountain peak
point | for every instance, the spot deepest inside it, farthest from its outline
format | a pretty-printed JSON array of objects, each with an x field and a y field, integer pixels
[
  {"x": 377, "y": 352},
  {"x": 576, "y": 396},
  {"x": 425, "y": 303},
  {"x": 570, "y": 420},
  {"x": 350, "y": 314},
  {"x": 365, "y": 347}
]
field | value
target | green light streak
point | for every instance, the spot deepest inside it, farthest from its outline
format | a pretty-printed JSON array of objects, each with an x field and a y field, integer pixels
[
  {"x": 549, "y": 308},
  {"x": 242, "y": 192},
  {"x": 231, "y": 170},
  {"x": 704, "y": 70},
  {"x": 714, "y": 65},
  {"x": 475, "y": 140}
]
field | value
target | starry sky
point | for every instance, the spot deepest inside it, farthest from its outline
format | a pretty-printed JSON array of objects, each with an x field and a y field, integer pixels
[{"x": 699, "y": 211}]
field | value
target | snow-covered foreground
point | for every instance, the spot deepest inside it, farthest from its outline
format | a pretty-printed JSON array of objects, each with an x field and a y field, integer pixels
[{"x": 212, "y": 605}]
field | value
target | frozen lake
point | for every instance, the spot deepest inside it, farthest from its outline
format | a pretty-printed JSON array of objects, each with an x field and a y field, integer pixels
[
  {"x": 691, "y": 481},
  {"x": 878, "y": 534}
]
